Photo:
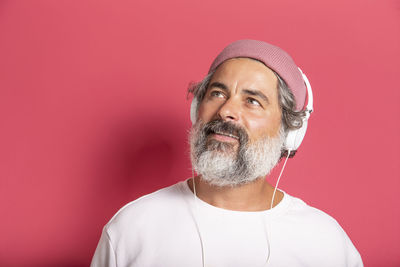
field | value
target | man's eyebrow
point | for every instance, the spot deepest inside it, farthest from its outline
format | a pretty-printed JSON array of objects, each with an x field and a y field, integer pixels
[
  {"x": 219, "y": 85},
  {"x": 254, "y": 92}
]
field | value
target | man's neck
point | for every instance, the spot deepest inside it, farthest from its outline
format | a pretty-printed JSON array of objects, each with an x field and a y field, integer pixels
[{"x": 255, "y": 196}]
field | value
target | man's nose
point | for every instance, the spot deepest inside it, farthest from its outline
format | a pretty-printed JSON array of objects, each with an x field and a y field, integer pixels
[{"x": 230, "y": 110}]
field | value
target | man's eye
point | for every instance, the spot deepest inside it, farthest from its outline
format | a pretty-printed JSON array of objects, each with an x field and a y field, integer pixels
[
  {"x": 217, "y": 94},
  {"x": 252, "y": 101}
]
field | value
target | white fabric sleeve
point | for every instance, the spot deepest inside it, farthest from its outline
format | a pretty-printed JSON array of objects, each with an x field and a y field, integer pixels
[{"x": 104, "y": 256}]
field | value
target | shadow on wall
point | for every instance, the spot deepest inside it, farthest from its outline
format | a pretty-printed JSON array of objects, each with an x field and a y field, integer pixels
[
  {"x": 134, "y": 156},
  {"x": 137, "y": 157},
  {"x": 63, "y": 264}
]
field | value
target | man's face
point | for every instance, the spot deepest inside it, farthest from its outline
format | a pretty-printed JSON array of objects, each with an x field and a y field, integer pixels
[
  {"x": 238, "y": 134},
  {"x": 243, "y": 91}
]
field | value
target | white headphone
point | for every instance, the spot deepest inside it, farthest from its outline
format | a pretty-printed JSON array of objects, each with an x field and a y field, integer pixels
[{"x": 294, "y": 137}]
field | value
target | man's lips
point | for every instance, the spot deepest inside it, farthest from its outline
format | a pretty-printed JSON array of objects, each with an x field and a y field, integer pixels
[{"x": 225, "y": 136}]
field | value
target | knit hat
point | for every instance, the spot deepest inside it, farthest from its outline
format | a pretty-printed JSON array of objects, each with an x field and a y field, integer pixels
[{"x": 274, "y": 58}]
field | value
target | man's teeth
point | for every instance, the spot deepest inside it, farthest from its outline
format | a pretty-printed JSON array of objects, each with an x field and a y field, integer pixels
[{"x": 226, "y": 134}]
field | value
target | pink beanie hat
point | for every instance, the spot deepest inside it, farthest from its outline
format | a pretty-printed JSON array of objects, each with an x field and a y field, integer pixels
[{"x": 274, "y": 58}]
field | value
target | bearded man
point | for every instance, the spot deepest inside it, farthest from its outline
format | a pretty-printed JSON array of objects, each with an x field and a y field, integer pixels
[{"x": 247, "y": 113}]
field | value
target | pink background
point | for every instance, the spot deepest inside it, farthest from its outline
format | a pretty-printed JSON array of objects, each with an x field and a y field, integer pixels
[{"x": 93, "y": 113}]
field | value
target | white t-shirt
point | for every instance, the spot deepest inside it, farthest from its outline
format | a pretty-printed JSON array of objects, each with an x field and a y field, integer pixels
[{"x": 160, "y": 229}]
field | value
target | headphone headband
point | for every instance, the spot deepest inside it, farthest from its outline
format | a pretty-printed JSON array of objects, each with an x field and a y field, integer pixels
[{"x": 310, "y": 100}]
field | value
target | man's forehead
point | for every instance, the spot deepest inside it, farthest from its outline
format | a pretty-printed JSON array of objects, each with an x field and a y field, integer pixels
[{"x": 246, "y": 71}]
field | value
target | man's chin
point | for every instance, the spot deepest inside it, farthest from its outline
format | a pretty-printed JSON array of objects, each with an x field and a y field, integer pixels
[{"x": 219, "y": 146}]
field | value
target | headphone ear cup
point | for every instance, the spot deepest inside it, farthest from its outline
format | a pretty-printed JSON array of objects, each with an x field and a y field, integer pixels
[
  {"x": 193, "y": 110},
  {"x": 295, "y": 137}
]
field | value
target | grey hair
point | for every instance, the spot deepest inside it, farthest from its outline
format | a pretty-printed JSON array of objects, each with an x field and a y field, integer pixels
[{"x": 291, "y": 119}]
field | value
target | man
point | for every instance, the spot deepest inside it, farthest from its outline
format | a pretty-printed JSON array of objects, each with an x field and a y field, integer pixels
[{"x": 245, "y": 114}]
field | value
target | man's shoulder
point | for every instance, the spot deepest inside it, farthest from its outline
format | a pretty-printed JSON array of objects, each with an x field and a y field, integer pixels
[
  {"x": 147, "y": 207},
  {"x": 314, "y": 223},
  {"x": 320, "y": 230},
  {"x": 308, "y": 215}
]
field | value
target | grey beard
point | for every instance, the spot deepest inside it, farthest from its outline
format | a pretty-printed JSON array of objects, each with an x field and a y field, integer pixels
[{"x": 220, "y": 165}]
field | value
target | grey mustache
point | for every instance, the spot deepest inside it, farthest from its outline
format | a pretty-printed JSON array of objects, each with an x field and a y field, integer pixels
[{"x": 227, "y": 128}]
